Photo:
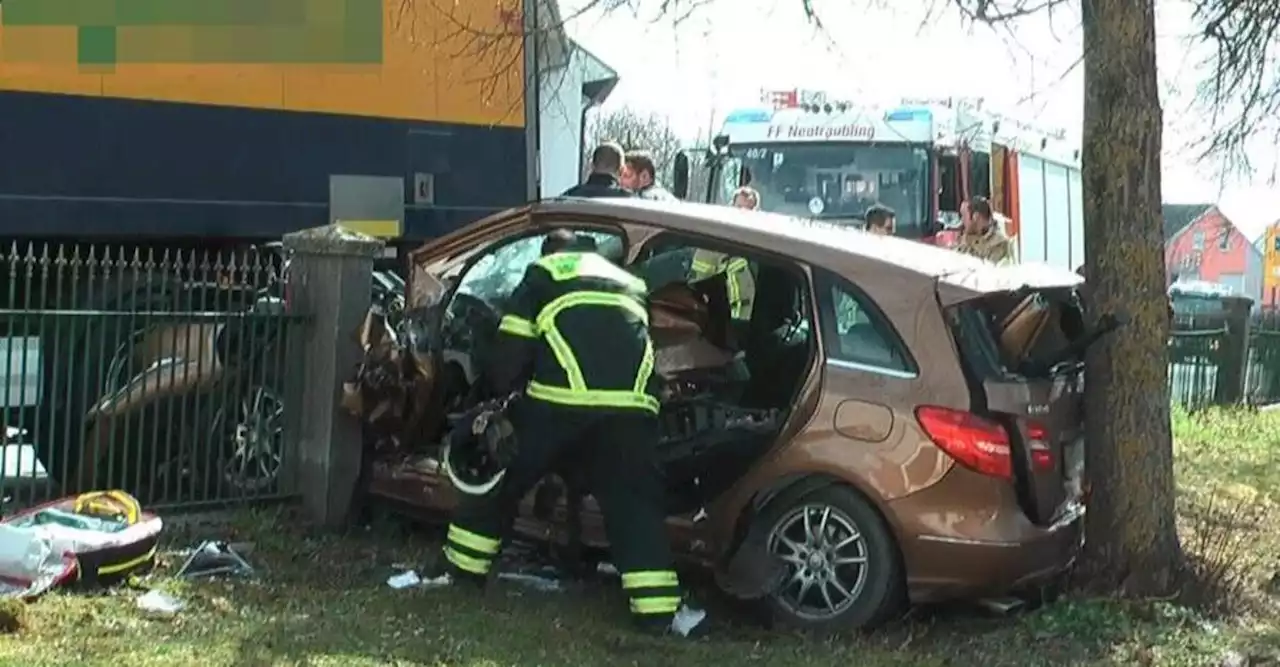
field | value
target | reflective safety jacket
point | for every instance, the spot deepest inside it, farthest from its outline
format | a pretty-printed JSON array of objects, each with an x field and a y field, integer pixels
[
  {"x": 577, "y": 328},
  {"x": 739, "y": 282}
]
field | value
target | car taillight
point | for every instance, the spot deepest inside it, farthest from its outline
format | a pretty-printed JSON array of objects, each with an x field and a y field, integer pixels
[
  {"x": 974, "y": 442},
  {"x": 981, "y": 444},
  {"x": 1038, "y": 443}
]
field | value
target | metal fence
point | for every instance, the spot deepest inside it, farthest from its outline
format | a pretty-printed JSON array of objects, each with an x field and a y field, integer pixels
[
  {"x": 1194, "y": 359},
  {"x": 154, "y": 371}
]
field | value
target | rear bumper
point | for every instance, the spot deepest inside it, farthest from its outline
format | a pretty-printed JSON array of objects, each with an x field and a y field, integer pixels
[
  {"x": 987, "y": 548},
  {"x": 993, "y": 568}
]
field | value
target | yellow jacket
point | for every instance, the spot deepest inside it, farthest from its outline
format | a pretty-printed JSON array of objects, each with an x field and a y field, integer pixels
[{"x": 738, "y": 279}]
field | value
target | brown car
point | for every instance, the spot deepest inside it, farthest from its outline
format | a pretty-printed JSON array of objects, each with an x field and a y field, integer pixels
[{"x": 893, "y": 421}]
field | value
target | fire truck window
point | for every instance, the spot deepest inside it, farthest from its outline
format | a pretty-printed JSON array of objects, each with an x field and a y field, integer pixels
[
  {"x": 948, "y": 182},
  {"x": 980, "y": 175}
]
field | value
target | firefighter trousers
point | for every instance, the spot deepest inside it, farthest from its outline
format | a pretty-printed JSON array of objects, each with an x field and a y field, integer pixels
[{"x": 618, "y": 451}]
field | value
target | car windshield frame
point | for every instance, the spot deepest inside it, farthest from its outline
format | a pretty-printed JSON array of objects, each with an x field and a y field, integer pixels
[{"x": 844, "y": 177}]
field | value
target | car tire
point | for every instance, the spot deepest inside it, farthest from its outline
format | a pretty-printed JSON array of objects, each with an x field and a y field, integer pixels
[{"x": 875, "y": 587}]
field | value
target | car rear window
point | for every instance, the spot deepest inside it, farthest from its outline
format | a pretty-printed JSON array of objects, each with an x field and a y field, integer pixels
[{"x": 1021, "y": 333}]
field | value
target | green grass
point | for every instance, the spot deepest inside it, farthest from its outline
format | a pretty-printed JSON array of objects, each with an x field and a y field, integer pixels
[{"x": 322, "y": 600}]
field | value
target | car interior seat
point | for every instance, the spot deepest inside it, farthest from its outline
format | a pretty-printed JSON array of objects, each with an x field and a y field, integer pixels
[{"x": 776, "y": 348}]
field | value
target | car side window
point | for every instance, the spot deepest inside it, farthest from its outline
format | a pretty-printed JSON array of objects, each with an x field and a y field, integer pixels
[
  {"x": 495, "y": 275},
  {"x": 856, "y": 331}
]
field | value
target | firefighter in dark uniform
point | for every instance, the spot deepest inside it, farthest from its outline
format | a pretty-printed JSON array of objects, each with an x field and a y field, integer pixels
[{"x": 576, "y": 329}]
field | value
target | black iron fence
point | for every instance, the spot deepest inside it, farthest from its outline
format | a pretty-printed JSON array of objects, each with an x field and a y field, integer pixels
[
  {"x": 1225, "y": 359},
  {"x": 158, "y": 372}
]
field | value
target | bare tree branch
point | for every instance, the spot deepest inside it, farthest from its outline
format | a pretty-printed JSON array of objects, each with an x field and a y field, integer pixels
[
  {"x": 1242, "y": 93},
  {"x": 637, "y": 131}
]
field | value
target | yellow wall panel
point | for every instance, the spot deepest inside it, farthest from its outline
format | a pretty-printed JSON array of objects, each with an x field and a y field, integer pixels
[
  {"x": 454, "y": 61},
  {"x": 41, "y": 59},
  {"x": 479, "y": 61},
  {"x": 255, "y": 86}
]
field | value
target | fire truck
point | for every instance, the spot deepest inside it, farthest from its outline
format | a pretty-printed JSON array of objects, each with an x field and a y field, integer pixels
[{"x": 815, "y": 157}]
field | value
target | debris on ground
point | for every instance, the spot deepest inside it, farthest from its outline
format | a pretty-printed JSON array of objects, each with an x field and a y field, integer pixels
[
  {"x": 410, "y": 578},
  {"x": 213, "y": 558},
  {"x": 543, "y": 583},
  {"x": 156, "y": 601}
]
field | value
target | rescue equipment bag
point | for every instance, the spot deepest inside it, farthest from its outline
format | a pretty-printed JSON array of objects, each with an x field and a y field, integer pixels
[{"x": 93, "y": 539}]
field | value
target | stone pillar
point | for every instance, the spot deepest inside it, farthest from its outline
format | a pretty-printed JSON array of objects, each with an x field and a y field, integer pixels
[
  {"x": 330, "y": 283},
  {"x": 1233, "y": 364}
]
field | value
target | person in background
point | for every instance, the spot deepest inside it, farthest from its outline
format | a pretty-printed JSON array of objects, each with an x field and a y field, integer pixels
[
  {"x": 880, "y": 219},
  {"x": 606, "y": 172},
  {"x": 746, "y": 197},
  {"x": 981, "y": 237},
  {"x": 639, "y": 175}
]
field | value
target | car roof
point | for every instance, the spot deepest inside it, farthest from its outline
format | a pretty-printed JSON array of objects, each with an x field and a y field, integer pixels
[
  {"x": 825, "y": 244},
  {"x": 808, "y": 240}
]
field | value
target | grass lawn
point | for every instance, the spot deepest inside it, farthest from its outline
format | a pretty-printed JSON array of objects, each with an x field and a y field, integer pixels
[{"x": 323, "y": 600}]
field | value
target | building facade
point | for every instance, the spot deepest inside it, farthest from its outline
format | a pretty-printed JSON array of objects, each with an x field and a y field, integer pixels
[{"x": 1212, "y": 249}]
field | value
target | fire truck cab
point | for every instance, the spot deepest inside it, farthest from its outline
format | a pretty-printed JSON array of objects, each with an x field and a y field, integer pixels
[{"x": 815, "y": 157}]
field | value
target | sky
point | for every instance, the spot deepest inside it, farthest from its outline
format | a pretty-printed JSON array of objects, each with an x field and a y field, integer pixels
[{"x": 720, "y": 57}]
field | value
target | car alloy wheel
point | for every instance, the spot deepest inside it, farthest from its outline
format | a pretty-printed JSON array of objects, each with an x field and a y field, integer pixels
[
  {"x": 826, "y": 557},
  {"x": 256, "y": 432}
]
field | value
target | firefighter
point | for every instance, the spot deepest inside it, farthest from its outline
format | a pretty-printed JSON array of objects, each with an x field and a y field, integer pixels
[
  {"x": 739, "y": 281},
  {"x": 575, "y": 334}
]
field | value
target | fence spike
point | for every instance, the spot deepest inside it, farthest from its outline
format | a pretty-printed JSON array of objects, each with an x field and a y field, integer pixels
[
  {"x": 61, "y": 259},
  {"x": 29, "y": 260}
]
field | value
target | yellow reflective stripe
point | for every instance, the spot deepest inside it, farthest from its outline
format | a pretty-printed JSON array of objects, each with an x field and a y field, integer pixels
[
  {"x": 592, "y": 398},
  {"x": 564, "y": 356},
  {"x": 546, "y": 317},
  {"x": 467, "y": 563},
  {"x": 650, "y": 579},
  {"x": 646, "y": 368},
  {"x": 570, "y": 265},
  {"x": 738, "y": 264},
  {"x": 735, "y": 292},
  {"x": 470, "y": 540},
  {"x": 662, "y": 605},
  {"x": 702, "y": 267},
  {"x": 561, "y": 265},
  {"x": 116, "y": 568},
  {"x": 517, "y": 326},
  {"x": 555, "y": 340}
]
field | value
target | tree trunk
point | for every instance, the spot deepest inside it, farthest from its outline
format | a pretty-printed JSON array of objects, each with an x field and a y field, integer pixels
[{"x": 1132, "y": 541}]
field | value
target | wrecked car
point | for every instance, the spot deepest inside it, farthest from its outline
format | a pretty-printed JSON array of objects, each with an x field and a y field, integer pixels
[{"x": 889, "y": 421}]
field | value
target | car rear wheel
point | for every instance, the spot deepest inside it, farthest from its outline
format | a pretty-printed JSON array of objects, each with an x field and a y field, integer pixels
[{"x": 842, "y": 565}]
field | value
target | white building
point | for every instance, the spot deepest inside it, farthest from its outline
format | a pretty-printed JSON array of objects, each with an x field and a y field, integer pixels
[{"x": 571, "y": 82}]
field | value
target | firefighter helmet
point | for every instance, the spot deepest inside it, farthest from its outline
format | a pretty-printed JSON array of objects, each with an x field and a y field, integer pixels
[{"x": 478, "y": 450}]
